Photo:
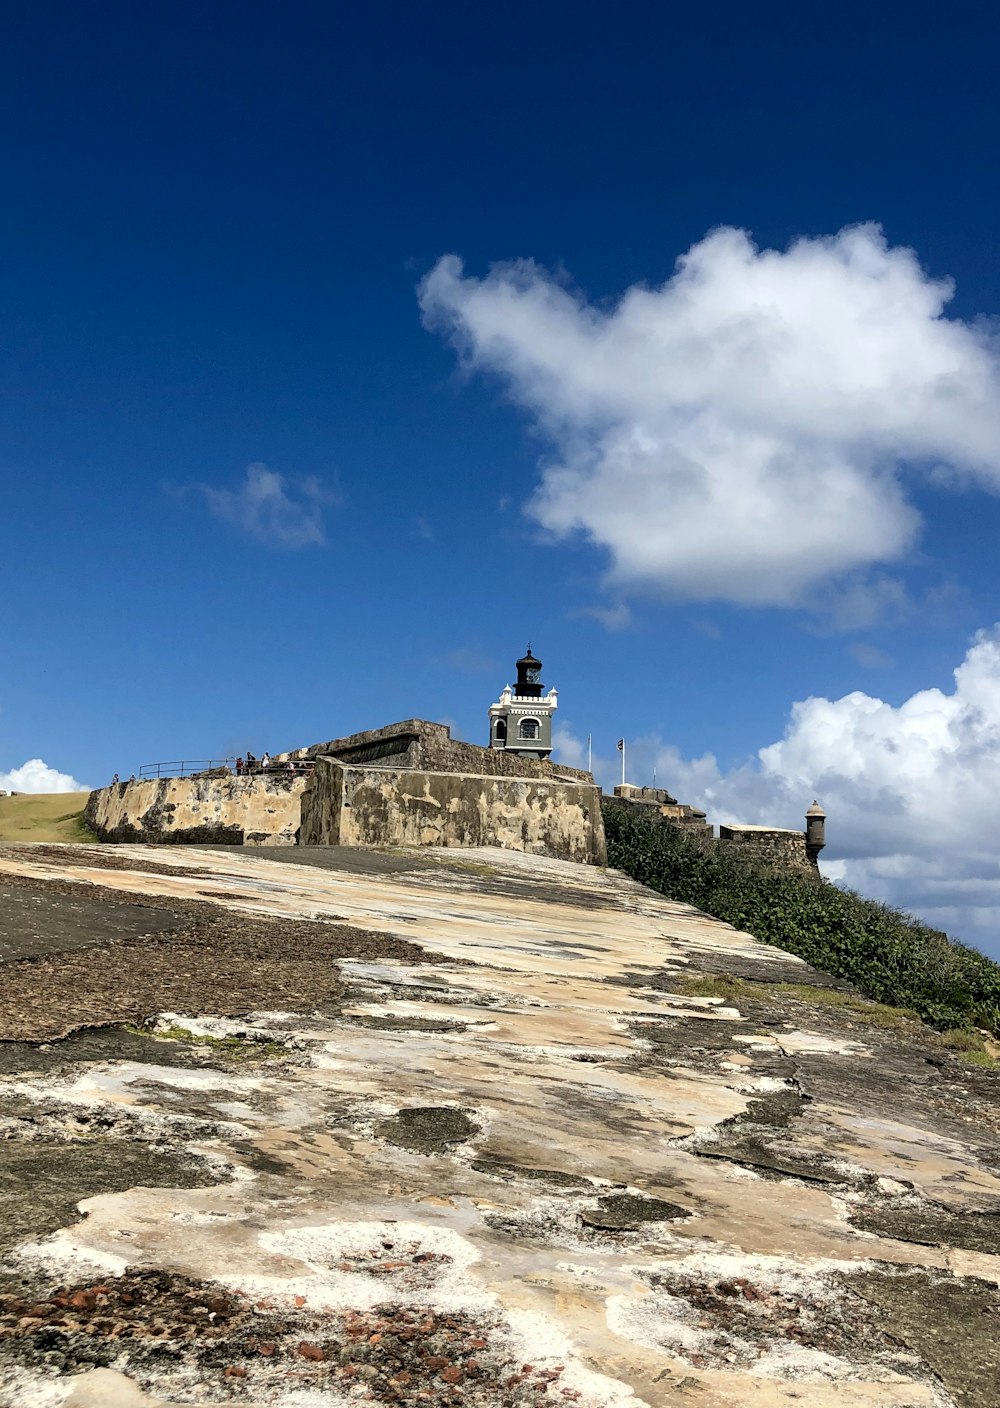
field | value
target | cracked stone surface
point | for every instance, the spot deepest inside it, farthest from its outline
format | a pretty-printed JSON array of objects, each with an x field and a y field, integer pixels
[{"x": 490, "y": 1151}]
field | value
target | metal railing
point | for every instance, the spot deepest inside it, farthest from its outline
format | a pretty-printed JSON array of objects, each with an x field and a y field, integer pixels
[{"x": 186, "y": 767}]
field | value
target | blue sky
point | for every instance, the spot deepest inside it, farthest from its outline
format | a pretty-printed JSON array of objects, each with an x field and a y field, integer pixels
[{"x": 768, "y": 479}]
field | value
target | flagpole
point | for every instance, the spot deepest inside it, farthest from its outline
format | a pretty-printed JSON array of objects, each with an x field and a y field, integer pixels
[
  {"x": 623, "y": 762},
  {"x": 590, "y": 752}
]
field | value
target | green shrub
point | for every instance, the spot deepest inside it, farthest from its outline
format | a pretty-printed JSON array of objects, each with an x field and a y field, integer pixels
[{"x": 889, "y": 956}]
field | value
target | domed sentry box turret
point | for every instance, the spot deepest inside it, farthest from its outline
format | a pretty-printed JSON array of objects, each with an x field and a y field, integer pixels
[
  {"x": 815, "y": 831},
  {"x": 521, "y": 719}
]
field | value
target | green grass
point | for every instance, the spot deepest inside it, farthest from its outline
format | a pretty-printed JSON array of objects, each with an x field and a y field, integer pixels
[
  {"x": 970, "y": 1046},
  {"x": 890, "y": 957},
  {"x": 51, "y": 816},
  {"x": 732, "y": 989},
  {"x": 239, "y": 1048}
]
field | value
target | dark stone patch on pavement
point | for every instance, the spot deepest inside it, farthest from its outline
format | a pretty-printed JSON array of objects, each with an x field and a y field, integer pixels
[
  {"x": 775, "y": 967},
  {"x": 625, "y": 1212},
  {"x": 757, "y": 1139},
  {"x": 511, "y": 1172},
  {"x": 41, "y": 1181},
  {"x": 932, "y": 1227},
  {"x": 671, "y": 1035},
  {"x": 393, "y": 1023},
  {"x": 89, "y": 1045},
  {"x": 951, "y": 1322},
  {"x": 34, "y": 923},
  {"x": 427, "y": 1129}
]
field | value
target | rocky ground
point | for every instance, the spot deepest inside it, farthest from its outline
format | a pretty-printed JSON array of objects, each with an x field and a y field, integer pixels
[{"x": 474, "y": 1128}]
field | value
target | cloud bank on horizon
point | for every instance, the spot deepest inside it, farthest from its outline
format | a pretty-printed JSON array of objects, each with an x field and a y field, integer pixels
[
  {"x": 741, "y": 432},
  {"x": 36, "y": 776},
  {"x": 911, "y": 791}
]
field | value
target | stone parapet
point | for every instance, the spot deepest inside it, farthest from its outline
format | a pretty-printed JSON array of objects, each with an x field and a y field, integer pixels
[
  {"x": 419, "y": 743},
  {"x": 219, "y": 810},
  {"x": 784, "y": 848},
  {"x": 628, "y": 792},
  {"x": 678, "y": 813}
]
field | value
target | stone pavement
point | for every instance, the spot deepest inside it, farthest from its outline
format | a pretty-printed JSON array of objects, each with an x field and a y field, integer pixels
[{"x": 594, "y": 1148}]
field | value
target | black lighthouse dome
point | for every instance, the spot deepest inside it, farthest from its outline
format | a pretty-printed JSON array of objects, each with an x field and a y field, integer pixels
[{"x": 529, "y": 676}]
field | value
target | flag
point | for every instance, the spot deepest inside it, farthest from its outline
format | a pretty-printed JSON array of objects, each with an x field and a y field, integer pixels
[{"x": 621, "y": 745}]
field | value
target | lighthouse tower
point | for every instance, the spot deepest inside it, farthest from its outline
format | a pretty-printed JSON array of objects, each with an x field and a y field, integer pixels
[{"x": 521, "y": 719}]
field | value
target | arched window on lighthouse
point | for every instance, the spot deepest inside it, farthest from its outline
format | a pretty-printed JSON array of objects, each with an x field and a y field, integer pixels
[
  {"x": 501, "y": 731},
  {"x": 529, "y": 728}
]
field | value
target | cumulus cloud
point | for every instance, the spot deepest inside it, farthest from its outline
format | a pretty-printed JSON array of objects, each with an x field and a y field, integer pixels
[
  {"x": 36, "y": 776},
  {"x": 741, "y": 431},
  {"x": 279, "y": 511},
  {"x": 911, "y": 790}
]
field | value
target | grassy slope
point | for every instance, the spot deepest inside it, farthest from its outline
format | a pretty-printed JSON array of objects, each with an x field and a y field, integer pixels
[
  {"x": 51, "y": 816},
  {"x": 889, "y": 956}
]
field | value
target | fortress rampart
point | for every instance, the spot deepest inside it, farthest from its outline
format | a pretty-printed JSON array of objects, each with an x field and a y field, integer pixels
[
  {"x": 419, "y": 743},
  {"x": 367, "y": 805},
  {"x": 787, "y": 849},
  {"x": 410, "y": 783},
  {"x": 213, "y": 810}
]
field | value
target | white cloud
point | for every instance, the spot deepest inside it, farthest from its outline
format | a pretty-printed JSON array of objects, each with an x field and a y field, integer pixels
[
  {"x": 36, "y": 776},
  {"x": 615, "y": 617},
  {"x": 281, "y": 512},
  {"x": 870, "y": 657},
  {"x": 739, "y": 432},
  {"x": 911, "y": 791}
]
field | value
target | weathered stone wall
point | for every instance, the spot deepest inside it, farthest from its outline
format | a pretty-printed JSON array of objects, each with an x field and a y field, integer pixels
[
  {"x": 691, "y": 818},
  {"x": 629, "y": 792},
  {"x": 208, "y": 810},
  {"x": 418, "y": 743},
  {"x": 322, "y": 803},
  {"x": 786, "y": 849},
  {"x": 375, "y": 806}
]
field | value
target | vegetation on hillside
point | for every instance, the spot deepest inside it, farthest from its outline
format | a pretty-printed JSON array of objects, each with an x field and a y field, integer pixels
[
  {"x": 889, "y": 956},
  {"x": 49, "y": 816}
]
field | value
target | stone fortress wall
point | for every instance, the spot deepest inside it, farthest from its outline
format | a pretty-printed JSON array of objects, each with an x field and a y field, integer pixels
[
  {"x": 409, "y": 783},
  {"x": 790, "y": 850},
  {"x": 209, "y": 810},
  {"x": 372, "y": 805},
  {"x": 418, "y": 743}
]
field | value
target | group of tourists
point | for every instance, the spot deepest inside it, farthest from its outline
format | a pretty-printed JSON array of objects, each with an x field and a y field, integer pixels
[{"x": 249, "y": 766}]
